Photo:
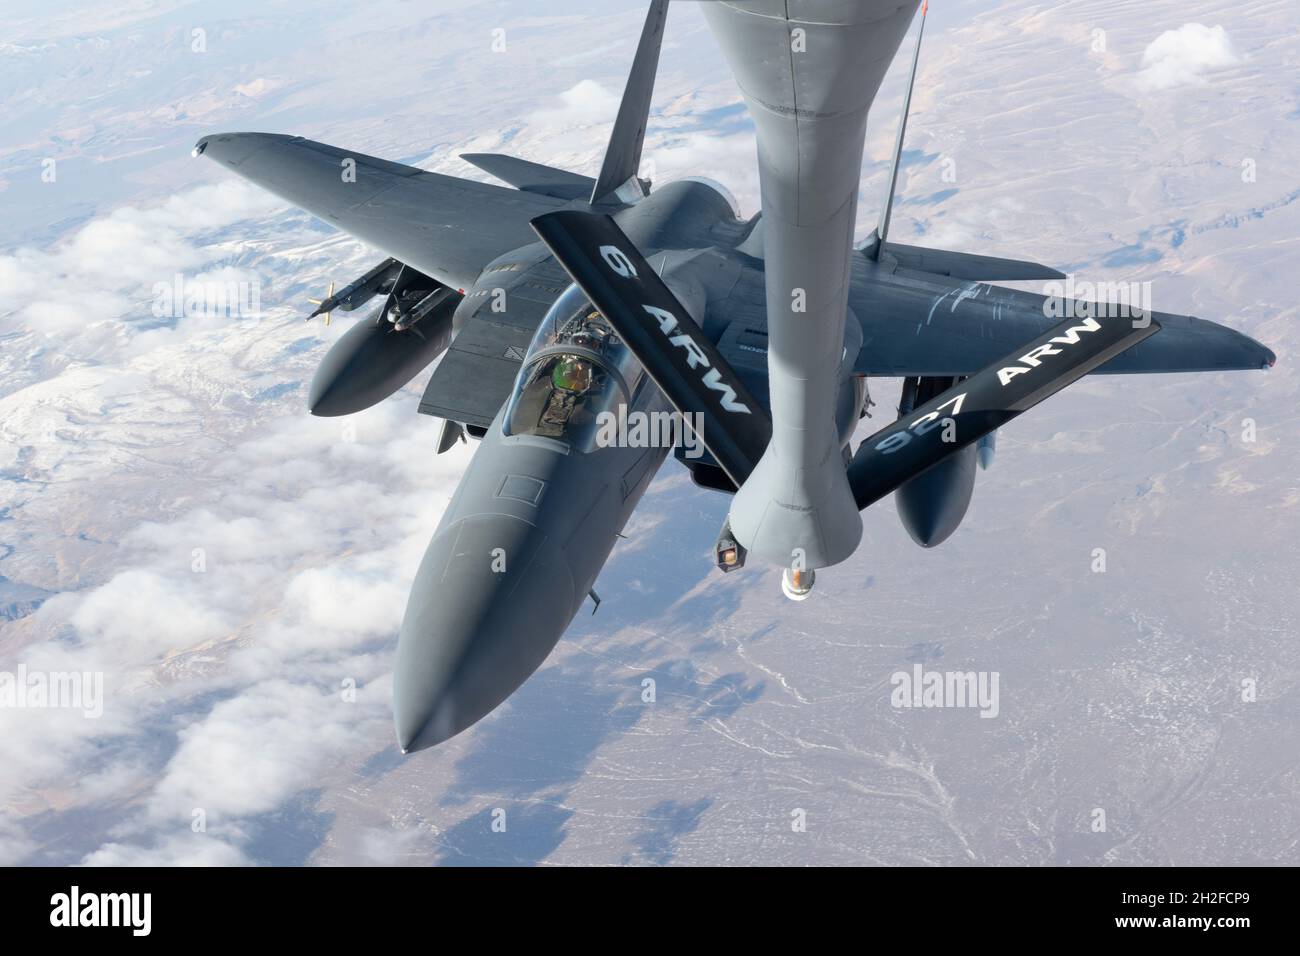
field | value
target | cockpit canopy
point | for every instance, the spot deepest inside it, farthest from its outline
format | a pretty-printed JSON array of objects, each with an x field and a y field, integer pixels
[{"x": 576, "y": 368}]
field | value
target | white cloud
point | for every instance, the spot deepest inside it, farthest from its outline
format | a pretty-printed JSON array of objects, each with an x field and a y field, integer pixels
[
  {"x": 143, "y": 613},
  {"x": 309, "y": 538},
  {"x": 728, "y": 158},
  {"x": 190, "y": 849},
  {"x": 98, "y": 285},
  {"x": 308, "y": 563},
  {"x": 352, "y": 597},
  {"x": 15, "y": 845},
  {"x": 586, "y": 103},
  {"x": 375, "y": 846},
  {"x": 254, "y": 751},
  {"x": 1182, "y": 56}
]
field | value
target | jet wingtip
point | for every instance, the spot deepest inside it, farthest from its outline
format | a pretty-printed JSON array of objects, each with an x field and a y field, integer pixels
[
  {"x": 226, "y": 141},
  {"x": 1256, "y": 354}
]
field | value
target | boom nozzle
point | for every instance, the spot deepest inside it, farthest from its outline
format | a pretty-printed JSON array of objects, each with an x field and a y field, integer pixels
[{"x": 797, "y": 584}]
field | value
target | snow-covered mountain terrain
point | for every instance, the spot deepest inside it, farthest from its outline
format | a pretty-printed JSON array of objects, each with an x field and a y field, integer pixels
[{"x": 173, "y": 520}]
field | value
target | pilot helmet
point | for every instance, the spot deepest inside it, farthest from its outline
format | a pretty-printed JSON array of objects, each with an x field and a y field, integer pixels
[{"x": 572, "y": 373}]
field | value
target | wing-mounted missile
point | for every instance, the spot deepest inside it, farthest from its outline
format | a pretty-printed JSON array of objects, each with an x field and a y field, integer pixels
[
  {"x": 359, "y": 291},
  {"x": 325, "y": 305},
  {"x": 663, "y": 336},
  {"x": 379, "y": 355},
  {"x": 412, "y": 295},
  {"x": 961, "y": 415}
]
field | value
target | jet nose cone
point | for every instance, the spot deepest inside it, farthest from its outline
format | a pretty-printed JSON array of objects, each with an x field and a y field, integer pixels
[{"x": 490, "y": 600}]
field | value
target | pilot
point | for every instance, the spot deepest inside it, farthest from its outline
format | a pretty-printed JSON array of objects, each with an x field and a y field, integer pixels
[
  {"x": 576, "y": 373},
  {"x": 563, "y": 395}
]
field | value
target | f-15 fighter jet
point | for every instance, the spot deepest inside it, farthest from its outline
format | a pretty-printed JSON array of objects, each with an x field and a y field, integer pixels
[{"x": 568, "y": 303}]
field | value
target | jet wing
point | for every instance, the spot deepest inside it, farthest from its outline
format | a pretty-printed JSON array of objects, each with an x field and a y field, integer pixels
[
  {"x": 915, "y": 323},
  {"x": 446, "y": 227}
]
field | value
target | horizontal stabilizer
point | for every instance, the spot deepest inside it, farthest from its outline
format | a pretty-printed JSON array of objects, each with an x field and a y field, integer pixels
[
  {"x": 532, "y": 177},
  {"x": 965, "y": 265},
  {"x": 987, "y": 400},
  {"x": 663, "y": 336}
]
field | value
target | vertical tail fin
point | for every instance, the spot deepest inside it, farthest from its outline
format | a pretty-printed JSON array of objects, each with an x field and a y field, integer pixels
[
  {"x": 623, "y": 155},
  {"x": 882, "y": 230}
]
